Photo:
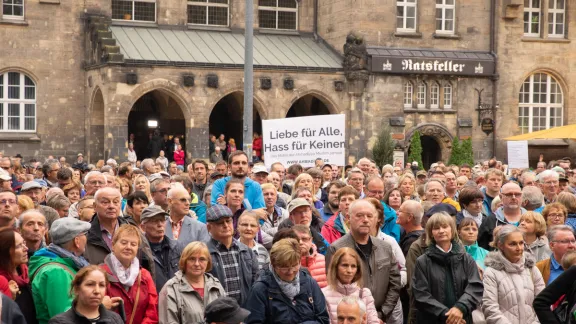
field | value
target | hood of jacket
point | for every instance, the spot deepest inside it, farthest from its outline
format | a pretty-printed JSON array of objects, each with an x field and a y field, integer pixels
[
  {"x": 210, "y": 282},
  {"x": 539, "y": 242},
  {"x": 498, "y": 261},
  {"x": 442, "y": 257},
  {"x": 500, "y": 215},
  {"x": 44, "y": 256}
]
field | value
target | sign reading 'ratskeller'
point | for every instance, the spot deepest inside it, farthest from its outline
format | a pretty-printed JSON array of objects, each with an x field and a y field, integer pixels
[{"x": 398, "y": 65}]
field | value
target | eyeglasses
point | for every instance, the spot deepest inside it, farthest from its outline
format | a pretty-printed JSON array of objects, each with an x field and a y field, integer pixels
[
  {"x": 199, "y": 260},
  {"x": 165, "y": 190},
  {"x": 184, "y": 200},
  {"x": 8, "y": 202},
  {"x": 512, "y": 195},
  {"x": 550, "y": 183},
  {"x": 6, "y": 168},
  {"x": 555, "y": 215},
  {"x": 288, "y": 269},
  {"x": 571, "y": 242}
]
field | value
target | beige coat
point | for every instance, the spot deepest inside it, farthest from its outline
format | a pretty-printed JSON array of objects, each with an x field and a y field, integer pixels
[{"x": 179, "y": 303}]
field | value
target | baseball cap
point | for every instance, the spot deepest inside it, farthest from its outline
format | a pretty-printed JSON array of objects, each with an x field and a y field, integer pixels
[
  {"x": 421, "y": 173},
  {"x": 216, "y": 175},
  {"x": 80, "y": 154},
  {"x": 66, "y": 229},
  {"x": 30, "y": 185},
  {"x": 217, "y": 212},
  {"x": 225, "y": 310},
  {"x": 415, "y": 163},
  {"x": 259, "y": 168},
  {"x": 152, "y": 211},
  {"x": 562, "y": 177},
  {"x": 297, "y": 202},
  {"x": 41, "y": 182}
]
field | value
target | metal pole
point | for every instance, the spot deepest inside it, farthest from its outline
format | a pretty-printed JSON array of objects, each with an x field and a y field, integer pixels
[{"x": 248, "y": 78}]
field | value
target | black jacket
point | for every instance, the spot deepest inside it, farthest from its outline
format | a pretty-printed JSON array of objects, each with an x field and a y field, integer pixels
[
  {"x": 407, "y": 239},
  {"x": 11, "y": 313},
  {"x": 485, "y": 232},
  {"x": 166, "y": 261},
  {"x": 72, "y": 317},
  {"x": 565, "y": 284},
  {"x": 429, "y": 284}
]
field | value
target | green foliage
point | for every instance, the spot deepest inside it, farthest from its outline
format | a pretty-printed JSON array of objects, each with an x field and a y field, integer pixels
[
  {"x": 456, "y": 154},
  {"x": 383, "y": 149},
  {"x": 467, "y": 153},
  {"x": 416, "y": 150}
]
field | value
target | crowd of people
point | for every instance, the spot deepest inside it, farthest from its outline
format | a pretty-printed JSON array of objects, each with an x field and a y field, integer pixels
[{"x": 233, "y": 241}]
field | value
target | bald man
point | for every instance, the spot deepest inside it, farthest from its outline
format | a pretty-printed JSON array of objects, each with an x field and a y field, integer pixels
[
  {"x": 410, "y": 218},
  {"x": 179, "y": 225},
  {"x": 511, "y": 210}
]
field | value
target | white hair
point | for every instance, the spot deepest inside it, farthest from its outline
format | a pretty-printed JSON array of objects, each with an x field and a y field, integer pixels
[
  {"x": 352, "y": 300},
  {"x": 20, "y": 221},
  {"x": 359, "y": 202},
  {"x": 92, "y": 174},
  {"x": 104, "y": 190},
  {"x": 547, "y": 174}
]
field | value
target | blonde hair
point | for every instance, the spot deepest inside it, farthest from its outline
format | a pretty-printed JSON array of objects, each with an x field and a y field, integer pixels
[
  {"x": 568, "y": 260},
  {"x": 285, "y": 253},
  {"x": 147, "y": 189},
  {"x": 297, "y": 183},
  {"x": 25, "y": 203},
  {"x": 437, "y": 220},
  {"x": 409, "y": 176},
  {"x": 539, "y": 222},
  {"x": 191, "y": 249},
  {"x": 332, "y": 274},
  {"x": 268, "y": 186},
  {"x": 127, "y": 229}
]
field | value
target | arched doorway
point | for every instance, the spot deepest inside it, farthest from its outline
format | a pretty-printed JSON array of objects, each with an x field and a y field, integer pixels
[
  {"x": 227, "y": 117},
  {"x": 308, "y": 105},
  {"x": 96, "y": 142},
  {"x": 155, "y": 112},
  {"x": 431, "y": 151}
]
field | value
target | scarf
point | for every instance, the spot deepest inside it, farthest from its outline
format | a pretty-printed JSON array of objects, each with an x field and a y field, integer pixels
[
  {"x": 79, "y": 261},
  {"x": 290, "y": 289},
  {"x": 477, "y": 218},
  {"x": 21, "y": 278},
  {"x": 128, "y": 276}
]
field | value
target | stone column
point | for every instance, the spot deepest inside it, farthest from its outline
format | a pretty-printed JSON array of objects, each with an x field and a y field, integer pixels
[
  {"x": 357, "y": 139},
  {"x": 197, "y": 142}
]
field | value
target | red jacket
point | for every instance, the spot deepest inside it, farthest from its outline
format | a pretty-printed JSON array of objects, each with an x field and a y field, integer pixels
[
  {"x": 179, "y": 157},
  {"x": 316, "y": 265},
  {"x": 257, "y": 146},
  {"x": 329, "y": 231},
  {"x": 147, "y": 309}
]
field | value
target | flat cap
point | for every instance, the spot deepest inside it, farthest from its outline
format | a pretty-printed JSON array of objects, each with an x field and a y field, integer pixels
[
  {"x": 297, "y": 202},
  {"x": 215, "y": 175},
  {"x": 65, "y": 229},
  {"x": 217, "y": 212},
  {"x": 152, "y": 211},
  {"x": 31, "y": 185},
  {"x": 155, "y": 176},
  {"x": 225, "y": 310}
]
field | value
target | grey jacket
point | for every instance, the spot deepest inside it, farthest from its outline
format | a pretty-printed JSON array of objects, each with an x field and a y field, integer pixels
[
  {"x": 248, "y": 267},
  {"x": 191, "y": 231},
  {"x": 382, "y": 273},
  {"x": 179, "y": 303}
]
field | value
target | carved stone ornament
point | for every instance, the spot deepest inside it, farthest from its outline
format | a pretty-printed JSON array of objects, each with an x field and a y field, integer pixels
[
  {"x": 265, "y": 83},
  {"x": 289, "y": 84},
  {"x": 355, "y": 58},
  {"x": 131, "y": 78},
  {"x": 212, "y": 81},
  {"x": 339, "y": 85},
  {"x": 188, "y": 80}
]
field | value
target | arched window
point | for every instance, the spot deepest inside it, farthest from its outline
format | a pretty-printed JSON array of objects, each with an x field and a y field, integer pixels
[
  {"x": 447, "y": 96},
  {"x": 421, "y": 95},
  {"x": 434, "y": 95},
  {"x": 17, "y": 103},
  {"x": 278, "y": 14},
  {"x": 208, "y": 12},
  {"x": 541, "y": 103},
  {"x": 134, "y": 10},
  {"x": 408, "y": 93}
]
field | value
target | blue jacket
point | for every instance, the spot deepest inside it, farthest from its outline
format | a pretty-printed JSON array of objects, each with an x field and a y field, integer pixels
[
  {"x": 199, "y": 207},
  {"x": 501, "y": 220},
  {"x": 486, "y": 203},
  {"x": 267, "y": 303},
  {"x": 252, "y": 192},
  {"x": 326, "y": 213},
  {"x": 390, "y": 227}
]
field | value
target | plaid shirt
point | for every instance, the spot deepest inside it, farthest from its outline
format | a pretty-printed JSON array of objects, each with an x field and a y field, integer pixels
[
  {"x": 231, "y": 265},
  {"x": 176, "y": 227}
]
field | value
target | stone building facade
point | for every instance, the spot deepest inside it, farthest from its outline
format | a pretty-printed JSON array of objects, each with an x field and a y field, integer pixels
[{"x": 82, "y": 67}]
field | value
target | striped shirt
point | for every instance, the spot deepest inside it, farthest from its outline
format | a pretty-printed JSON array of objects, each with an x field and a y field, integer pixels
[{"x": 263, "y": 256}]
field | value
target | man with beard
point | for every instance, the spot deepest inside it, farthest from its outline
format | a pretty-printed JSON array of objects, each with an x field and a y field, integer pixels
[
  {"x": 8, "y": 208},
  {"x": 200, "y": 168},
  {"x": 238, "y": 162},
  {"x": 331, "y": 206}
]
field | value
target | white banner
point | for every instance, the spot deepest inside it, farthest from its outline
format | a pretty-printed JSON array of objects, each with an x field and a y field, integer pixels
[
  {"x": 304, "y": 139},
  {"x": 518, "y": 155}
]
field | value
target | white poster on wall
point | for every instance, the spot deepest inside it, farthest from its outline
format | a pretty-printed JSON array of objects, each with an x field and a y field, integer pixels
[
  {"x": 304, "y": 139},
  {"x": 518, "y": 155}
]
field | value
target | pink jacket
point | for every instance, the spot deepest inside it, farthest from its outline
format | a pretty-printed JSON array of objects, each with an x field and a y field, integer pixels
[
  {"x": 316, "y": 265},
  {"x": 334, "y": 297}
]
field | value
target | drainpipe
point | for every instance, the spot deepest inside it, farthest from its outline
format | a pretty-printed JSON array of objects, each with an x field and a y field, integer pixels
[
  {"x": 315, "y": 25},
  {"x": 495, "y": 76}
]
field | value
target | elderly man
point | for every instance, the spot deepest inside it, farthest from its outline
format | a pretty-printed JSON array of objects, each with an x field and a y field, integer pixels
[
  {"x": 351, "y": 310},
  {"x": 53, "y": 268},
  {"x": 494, "y": 180},
  {"x": 107, "y": 204},
  {"x": 93, "y": 181},
  {"x": 540, "y": 167},
  {"x": 528, "y": 179},
  {"x": 260, "y": 174},
  {"x": 179, "y": 225},
  {"x": 356, "y": 180},
  {"x": 532, "y": 198},
  {"x": 166, "y": 251},
  {"x": 511, "y": 210},
  {"x": 64, "y": 177},
  {"x": 147, "y": 166},
  {"x": 549, "y": 184},
  {"x": 159, "y": 189},
  {"x": 275, "y": 179},
  {"x": 410, "y": 216},
  {"x": 33, "y": 190},
  {"x": 333, "y": 229},
  {"x": 275, "y": 214},
  {"x": 233, "y": 263},
  {"x": 364, "y": 165},
  {"x": 561, "y": 240},
  {"x": 374, "y": 188},
  {"x": 382, "y": 273},
  {"x": 32, "y": 226},
  {"x": 50, "y": 170},
  {"x": 8, "y": 208},
  {"x": 300, "y": 212},
  {"x": 7, "y": 165}
]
